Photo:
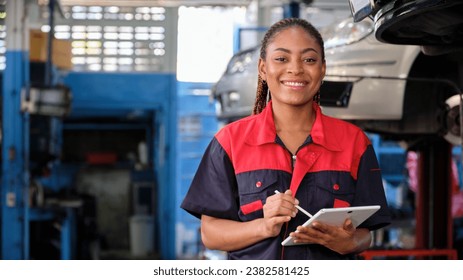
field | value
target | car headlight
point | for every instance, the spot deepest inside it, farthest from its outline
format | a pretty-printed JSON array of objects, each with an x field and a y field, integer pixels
[
  {"x": 240, "y": 62},
  {"x": 346, "y": 32}
]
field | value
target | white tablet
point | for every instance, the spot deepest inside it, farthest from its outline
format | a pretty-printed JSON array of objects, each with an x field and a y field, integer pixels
[{"x": 336, "y": 217}]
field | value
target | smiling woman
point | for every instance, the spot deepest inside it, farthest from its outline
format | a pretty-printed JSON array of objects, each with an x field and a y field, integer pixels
[{"x": 288, "y": 146}]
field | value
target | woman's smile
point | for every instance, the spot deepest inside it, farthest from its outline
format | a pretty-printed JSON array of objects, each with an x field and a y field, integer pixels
[{"x": 294, "y": 84}]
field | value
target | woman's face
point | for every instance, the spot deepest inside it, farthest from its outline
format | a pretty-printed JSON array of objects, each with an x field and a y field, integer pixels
[{"x": 293, "y": 67}]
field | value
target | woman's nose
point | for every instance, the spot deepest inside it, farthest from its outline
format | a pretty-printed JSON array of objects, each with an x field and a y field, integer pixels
[{"x": 295, "y": 68}]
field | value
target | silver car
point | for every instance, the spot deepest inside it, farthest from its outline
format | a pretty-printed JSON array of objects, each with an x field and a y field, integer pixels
[
  {"x": 235, "y": 92},
  {"x": 394, "y": 90}
]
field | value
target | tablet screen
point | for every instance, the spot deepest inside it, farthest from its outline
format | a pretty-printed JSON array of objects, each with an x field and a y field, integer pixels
[{"x": 336, "y": 217}]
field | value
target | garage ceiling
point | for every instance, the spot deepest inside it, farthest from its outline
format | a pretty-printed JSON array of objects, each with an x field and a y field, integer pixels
[
  {"x": 159, "y": 3},
  {"x": 176, "y": 3}
]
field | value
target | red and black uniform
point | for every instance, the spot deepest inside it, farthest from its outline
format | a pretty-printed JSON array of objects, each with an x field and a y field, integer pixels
[{"x": 246, "y": 162}]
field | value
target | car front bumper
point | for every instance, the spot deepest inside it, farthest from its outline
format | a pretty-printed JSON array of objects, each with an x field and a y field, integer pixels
[{"x": 376, "y": 73}]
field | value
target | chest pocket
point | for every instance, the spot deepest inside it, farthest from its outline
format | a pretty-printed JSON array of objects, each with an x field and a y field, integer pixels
[
  {"x": 334, "y": 189},
  {"x": 253, "y": 189}
]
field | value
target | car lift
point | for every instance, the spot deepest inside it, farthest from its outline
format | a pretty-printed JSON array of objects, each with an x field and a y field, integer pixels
[{"x": 434, "y": 224}]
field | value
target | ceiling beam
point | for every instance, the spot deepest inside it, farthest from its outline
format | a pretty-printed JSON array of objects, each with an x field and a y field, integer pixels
[{"x": 154, "y": 3}]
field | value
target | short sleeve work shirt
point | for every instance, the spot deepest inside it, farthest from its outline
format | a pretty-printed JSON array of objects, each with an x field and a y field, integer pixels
[{"x": 245, "y": 163}]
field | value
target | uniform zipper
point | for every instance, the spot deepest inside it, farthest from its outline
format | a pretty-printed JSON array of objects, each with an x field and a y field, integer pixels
[{"x": 293, "y": 157}]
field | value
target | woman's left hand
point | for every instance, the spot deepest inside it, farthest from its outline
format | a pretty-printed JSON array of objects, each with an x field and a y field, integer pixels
[{"x": 344, "y": 240}]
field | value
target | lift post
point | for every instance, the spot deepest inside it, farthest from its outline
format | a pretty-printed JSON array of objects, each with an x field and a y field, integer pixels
[
  {"x": 433, "y": 202},
  {"x": 14, "y": 137}
]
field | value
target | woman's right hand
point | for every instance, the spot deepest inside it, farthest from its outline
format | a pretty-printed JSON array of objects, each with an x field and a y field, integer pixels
[
  {"x": 278, "y": 209},
  {"x": 230, "y": 235}
]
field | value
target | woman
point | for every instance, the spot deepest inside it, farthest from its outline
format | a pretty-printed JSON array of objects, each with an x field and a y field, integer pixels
[{"x": 289, "y": 146}]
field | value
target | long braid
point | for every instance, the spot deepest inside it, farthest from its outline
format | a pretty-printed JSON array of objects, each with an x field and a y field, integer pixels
[
  {"x": 261, "y": 96},
  {"x": 262, "y": 87}
]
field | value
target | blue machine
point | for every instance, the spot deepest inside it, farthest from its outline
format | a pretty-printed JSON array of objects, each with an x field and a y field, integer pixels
[
  {"x": 149, "y": 99},
  {"x": 197, "y": 126}
]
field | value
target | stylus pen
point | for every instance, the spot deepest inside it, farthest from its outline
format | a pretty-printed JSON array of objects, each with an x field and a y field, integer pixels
[{"x": 300, "y": 208}]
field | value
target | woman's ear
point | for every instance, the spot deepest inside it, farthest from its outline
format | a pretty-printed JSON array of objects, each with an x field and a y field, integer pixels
[
  {"x": 261, "y": 69},
  {"x": 323, "y": 70}
]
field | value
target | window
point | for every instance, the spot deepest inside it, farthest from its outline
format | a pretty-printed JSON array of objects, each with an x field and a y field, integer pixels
[
  {"x": 205, "y": 42},
  {"x": 122, "y": 39}
]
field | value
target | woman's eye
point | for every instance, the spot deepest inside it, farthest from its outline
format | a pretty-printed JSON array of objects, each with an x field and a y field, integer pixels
[
  {"x": 310, "y": 60},
  {"x": 280, "y": 59}
]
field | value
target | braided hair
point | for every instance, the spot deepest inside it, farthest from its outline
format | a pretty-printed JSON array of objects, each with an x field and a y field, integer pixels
[{"x": 262, "y": 87}]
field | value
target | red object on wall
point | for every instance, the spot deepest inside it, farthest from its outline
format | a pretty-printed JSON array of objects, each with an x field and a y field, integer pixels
[{"x": 101, "y": 158}]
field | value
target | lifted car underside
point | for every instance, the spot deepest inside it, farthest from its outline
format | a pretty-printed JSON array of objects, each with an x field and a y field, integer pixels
[{"x": 436, "y": 25}]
